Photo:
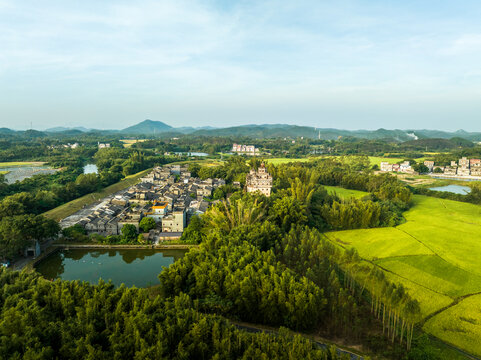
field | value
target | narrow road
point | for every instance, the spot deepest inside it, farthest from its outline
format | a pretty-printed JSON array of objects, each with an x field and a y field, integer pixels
[{"x": 254, "y": 329}]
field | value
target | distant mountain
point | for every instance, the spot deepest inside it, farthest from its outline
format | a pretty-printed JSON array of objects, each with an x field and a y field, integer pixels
[
  {"x": 149, "y": 127},
  {"x": 152, "y": 128},
  {"x": 6, "y": 131},
  {"x": 62, "y": 129}
]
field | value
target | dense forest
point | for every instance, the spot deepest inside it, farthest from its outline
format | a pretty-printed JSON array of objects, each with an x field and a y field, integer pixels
[{"x": 41, "y": 319}]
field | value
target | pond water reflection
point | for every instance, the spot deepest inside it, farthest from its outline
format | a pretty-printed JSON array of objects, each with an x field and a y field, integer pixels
[{"x": 139, "y": 267}]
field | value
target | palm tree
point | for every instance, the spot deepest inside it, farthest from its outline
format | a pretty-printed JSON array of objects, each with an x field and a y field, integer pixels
[{"x": 228, "y": 215}]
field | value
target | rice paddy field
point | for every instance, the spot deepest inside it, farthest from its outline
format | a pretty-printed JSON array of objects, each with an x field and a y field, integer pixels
[
  {"x": 21, "y": 163},
  {"x": 345, "y": 193},
  {"x": 436, "y": 255},
  {"x": 129, "y": 142},
  {"x": 277, "y": 161}
]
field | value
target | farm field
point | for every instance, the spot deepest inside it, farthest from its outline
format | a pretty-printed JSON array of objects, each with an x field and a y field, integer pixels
[
  {"x": 21, "y": 163},
  {"x": 345, "y": 193},
  {"x": 435, "y": 255},
  {"x": 376, "y": 160},
  {"x": 73, "y": 206},
  {"x": 277, "y": 161},
  {"x": 129, "y": 142},
  {"x": 459, "y": 324},
  {"x": 203, "y": 162}
]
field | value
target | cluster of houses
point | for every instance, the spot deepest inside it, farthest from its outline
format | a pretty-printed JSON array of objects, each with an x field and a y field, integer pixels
[
  {"x": 169, "y": 195},
  {"x": 66, "y": 146},
  {"x": 404, "y": 167},
  {"x": 464, "y": 167},
  {"x": 103, "y": 145},
  {"x": 250, "y": 150}
]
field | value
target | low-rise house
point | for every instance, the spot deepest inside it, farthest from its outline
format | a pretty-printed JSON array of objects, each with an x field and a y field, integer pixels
[
  {"x": 429, "y": 164},
  {"x": 158, "y": 211},
  {"x": 464, "y": 162},
  {"x": 405, "y": 167},
  {"x": 174, "y": 222},
  {"x": 450, "y": 170},
  {"x": 476, "y": 171},
  {"x": 386, "y": 167},
  {"x": 463, "y": 171}
]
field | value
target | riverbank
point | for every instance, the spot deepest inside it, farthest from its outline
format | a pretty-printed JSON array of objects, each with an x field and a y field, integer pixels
[{"x": 126, "y": 246}]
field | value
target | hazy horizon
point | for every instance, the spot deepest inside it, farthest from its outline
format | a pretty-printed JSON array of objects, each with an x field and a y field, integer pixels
[{"x": 346, "y": 65}]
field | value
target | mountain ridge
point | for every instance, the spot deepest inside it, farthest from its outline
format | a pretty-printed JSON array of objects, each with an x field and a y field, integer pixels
[{"x": 158, "y": 128}]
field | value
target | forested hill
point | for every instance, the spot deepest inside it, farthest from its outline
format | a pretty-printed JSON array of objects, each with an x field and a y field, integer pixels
[
  {"x": 148, "y": 127},
  {"x": 152, "y": 128}
]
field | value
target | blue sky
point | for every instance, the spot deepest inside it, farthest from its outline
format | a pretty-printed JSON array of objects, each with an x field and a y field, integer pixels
[{"x": 344, "y": 64}]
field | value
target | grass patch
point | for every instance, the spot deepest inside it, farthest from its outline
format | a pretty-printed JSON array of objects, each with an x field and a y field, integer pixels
[
  {"x": 345, "y": 193},
  {"x": 73, "y": 206},
  {"x": 459, "y": 325}
]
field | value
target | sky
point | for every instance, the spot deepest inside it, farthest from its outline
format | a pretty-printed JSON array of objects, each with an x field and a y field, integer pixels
[{"x": 342, "y": 64}]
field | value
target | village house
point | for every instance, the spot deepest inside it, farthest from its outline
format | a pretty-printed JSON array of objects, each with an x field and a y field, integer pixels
[
  {"x": 250, "y": 150},
  {"x": 429, "y": 165},
  {"x": 386, "y": 167},
  {"x": 259, "y": 181},
  {"x": 174, "y": 222}
]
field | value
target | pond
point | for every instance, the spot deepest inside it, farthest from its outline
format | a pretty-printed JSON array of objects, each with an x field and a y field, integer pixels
[
  {"x": 91, "y": 169},
  {"x": 139, "y": 267},
  {"x": 19, "y": 173},
  {"x": 455, "y": 189}
]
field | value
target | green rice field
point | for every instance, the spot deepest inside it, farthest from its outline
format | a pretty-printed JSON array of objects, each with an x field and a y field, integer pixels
[
  {"x": 21, "y": 163},
  {"x": 436, "y": 255},
  {"x": 277, "y": 161},
  {"x": 345, "y": 193},
  {"x": 459, "y": 324}
]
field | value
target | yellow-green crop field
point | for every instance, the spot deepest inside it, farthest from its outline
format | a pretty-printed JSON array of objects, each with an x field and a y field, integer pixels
[
  {"x": 459, "y": 324},
  {"x": 129, "y": 142},
  {"x": 436, "y": 255},
  {"x": 21, "y": 163},
  {"x": 376, "y": 160},
  {"x": 277, "y": 161},
  {"x": 345, "y": 193}
]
